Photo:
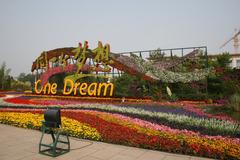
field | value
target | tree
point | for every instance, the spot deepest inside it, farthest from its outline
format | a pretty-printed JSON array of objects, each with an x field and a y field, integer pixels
[
  {"x": 156, "y": 55},
  {"x": 5, "y": 79},
  {"x": 223, "y": 60},
  {"x": 23, "y": 77},
  {"x": 21, "y": 86}
]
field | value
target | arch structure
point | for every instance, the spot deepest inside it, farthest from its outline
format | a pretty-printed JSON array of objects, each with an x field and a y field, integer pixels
[{"x": 81, "y": 61}]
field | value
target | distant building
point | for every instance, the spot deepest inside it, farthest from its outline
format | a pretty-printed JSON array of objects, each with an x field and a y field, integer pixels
[{"x": 235, "y": 58}]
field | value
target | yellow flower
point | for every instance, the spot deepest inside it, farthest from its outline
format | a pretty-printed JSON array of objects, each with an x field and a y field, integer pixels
[{"x": 33, "y": 121}]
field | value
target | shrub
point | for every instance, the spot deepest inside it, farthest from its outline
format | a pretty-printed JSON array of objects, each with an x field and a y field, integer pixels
[
  {"x": 234, "y": 102},
  {"x": 174, "y": 98}
]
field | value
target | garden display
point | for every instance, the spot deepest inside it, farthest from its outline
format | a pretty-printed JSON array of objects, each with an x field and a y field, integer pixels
[{"x": 148, "y": 106}]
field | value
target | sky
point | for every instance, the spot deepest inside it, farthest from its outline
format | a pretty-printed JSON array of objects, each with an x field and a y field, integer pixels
[{"x": 28, "y": 27}]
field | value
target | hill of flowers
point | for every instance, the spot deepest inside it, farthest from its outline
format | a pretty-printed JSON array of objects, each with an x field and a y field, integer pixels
[{"x": 180, "y": 127}]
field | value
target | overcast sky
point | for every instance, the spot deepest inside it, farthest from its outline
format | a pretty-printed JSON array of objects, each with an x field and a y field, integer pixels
[{"x": 29, "y": 27}]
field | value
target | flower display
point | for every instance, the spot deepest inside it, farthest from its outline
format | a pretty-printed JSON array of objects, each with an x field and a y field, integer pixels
[
  {"x": 33, "y": 121},
  {"x": 116, "y": 128},
  {"x": 179, "y": 118},
  {"x": 166, "y": 75},
  {"x": 56, "y": 70},
  {"x": 200, "y": 112},
  {"x": 178, "y": 127},
  {"x": 64, "y": 100}
]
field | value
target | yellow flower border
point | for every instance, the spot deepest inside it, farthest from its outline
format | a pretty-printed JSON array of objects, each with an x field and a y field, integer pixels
[{"x": 33, "y": 121}]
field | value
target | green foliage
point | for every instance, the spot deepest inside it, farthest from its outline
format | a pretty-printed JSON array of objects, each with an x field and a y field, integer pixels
[
  {"x": 156, "y": 55},
  {"x": 23, "y": 77},
  {"x": 134, "y": 86},
  {"x": 223, "y": 60},
  {"x": 5, "y": 78},
  {"x": 222, "y": 85},
  {"x": 230, "y": 87},
  {"x": 129, "y": 86},
  {"x": 26, "y": 77},
  {"x": 190, "y": 91},
  {"x": 21, "y": 86},
  {"x": 156, "y": 91},
  {"x": 173, "y": 98},
  {"x": 234, "y": 102},
  {"x": 122, "y": 85}
]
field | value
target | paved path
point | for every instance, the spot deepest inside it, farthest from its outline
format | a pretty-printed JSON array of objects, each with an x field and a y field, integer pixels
[{"x": 22, "y": 144}]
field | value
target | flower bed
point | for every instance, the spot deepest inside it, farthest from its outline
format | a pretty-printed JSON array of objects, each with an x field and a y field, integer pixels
[
  {"x": 199, "y": 111},
  {"x": 179, "y": 127},
  {"x": 66, "y": 100},
  {"x": 178, "y": 118},
  {"x": 33, "y": 121},
  {"x": 189, "y": 108},
  {"x": 116, "y": 128}
]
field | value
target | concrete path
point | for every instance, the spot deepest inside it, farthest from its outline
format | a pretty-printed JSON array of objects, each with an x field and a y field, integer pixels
[{"x": 22, "y": 144}]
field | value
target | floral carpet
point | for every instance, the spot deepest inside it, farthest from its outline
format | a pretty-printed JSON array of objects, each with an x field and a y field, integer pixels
[{"x": 179, "y": 127}]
